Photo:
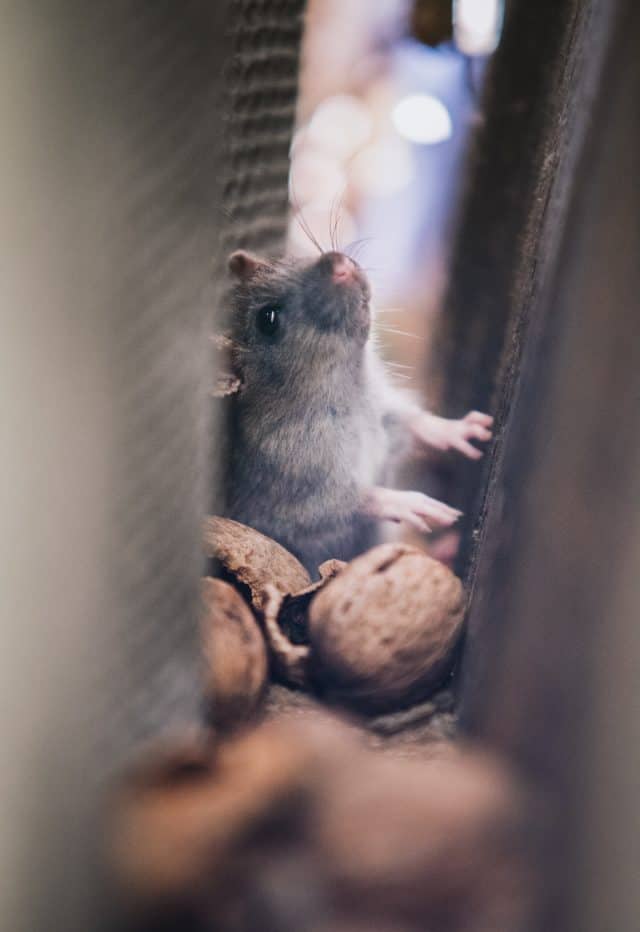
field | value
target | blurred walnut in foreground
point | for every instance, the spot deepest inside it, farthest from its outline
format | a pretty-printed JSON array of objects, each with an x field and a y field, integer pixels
[{"x": 297, "y": 827}]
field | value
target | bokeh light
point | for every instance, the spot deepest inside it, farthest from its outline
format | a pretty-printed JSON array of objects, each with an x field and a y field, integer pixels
[
  {"x": 383, "y": 168},
  {"x": 477, "y": 25},
  {"x": 315, "y": 177},
  {"x": 340, "y": 125},
  {"x": 422, "y": 118}
]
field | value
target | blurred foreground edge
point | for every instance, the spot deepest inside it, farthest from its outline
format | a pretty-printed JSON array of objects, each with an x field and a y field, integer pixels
[{"x": 108, "y": 181}]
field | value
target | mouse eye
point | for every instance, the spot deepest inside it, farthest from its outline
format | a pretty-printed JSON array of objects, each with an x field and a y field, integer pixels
[{"x": 268, "y": 320}]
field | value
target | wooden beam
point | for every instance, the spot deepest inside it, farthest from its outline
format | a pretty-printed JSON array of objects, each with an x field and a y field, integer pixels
[
  {"x": 552, "y": 663},
  {"x": 536, "y": 107}
]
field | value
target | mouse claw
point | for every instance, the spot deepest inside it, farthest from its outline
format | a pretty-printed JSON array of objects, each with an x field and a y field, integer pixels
[{"x": 450, "y": 434}]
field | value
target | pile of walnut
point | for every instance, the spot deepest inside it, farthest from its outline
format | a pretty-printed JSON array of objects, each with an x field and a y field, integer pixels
[
  {"x": 374, "y": 636},
  {"x": 296, "y": 824}
]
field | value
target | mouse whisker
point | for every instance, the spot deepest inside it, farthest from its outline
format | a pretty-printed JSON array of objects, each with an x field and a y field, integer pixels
[
  {"x": 306, "y": 229},
  {"x": 406, "y": 373},
  {"x": 402, "y": 333},
  {"x": 400, "y": 365},
  {"x": 359, "y": 242},
  {"x": 332, "y": 229},
  {"x": 334, "y": 220},
  {"x": 304, "y": 226},
  {"x": 355, "y": 248}
]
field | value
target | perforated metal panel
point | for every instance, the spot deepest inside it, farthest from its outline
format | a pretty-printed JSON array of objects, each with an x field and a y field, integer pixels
[
  {"x": 262, "y": 83},
  {"x": 177, "y": 219}
]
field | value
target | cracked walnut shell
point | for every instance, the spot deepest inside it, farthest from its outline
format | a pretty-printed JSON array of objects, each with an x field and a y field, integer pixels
[{"x": 252, "y": 559}]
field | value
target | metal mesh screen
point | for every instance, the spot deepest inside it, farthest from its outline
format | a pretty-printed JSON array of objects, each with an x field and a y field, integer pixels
[
  {"x": 164, "y": 119},
  {"x": 261, "y": 83},
  {"x": 164, "y": 309}
]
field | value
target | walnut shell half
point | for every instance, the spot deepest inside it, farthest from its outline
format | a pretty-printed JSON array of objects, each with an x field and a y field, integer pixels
[
  {"x": 253, "y": 559},
  {"x": 382, "y": 633},
  {"x": 286, "y": 625}
]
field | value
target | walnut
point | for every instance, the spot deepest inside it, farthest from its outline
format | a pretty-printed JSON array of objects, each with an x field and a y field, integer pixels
[
  {"x": 252, "y": 559},
  {"x": 383, "y": 631},
  {"x": 235, "y": 655},
  {"x": 381, "y": 634},
  {"x": 377, "y": 634}
]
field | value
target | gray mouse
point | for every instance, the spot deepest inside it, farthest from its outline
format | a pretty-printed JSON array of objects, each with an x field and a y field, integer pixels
[{"x": 317, "y": 426}]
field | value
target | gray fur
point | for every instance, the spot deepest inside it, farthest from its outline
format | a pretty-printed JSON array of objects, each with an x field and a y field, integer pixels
[{"x": 312, "y": 427}]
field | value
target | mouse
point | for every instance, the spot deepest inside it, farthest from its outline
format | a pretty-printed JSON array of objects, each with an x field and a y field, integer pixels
[{"x": 316, "y": 425}]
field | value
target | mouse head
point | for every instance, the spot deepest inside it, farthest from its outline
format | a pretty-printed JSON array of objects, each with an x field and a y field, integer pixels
[{"x": 298, "y": 316}]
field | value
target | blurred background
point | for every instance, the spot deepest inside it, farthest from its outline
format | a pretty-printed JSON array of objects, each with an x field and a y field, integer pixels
[
  {"x": 387, "y": 102},
  {"x": 390, "y": 94}
]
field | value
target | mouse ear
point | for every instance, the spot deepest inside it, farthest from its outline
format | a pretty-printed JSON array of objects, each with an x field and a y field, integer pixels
[{"x": 244, "y": 265}]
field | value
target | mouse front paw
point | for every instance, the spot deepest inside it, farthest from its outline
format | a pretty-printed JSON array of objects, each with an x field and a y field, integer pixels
[
  {"x": 450, "y": 434},
  {"x": 414, "y": 508}
]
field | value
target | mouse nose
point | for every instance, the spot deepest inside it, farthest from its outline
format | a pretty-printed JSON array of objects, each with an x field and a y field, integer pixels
[{"x": 342, "y": 267}]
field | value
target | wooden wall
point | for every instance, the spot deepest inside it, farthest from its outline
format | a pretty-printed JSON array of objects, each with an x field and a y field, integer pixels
[{"x": 551, "y": 670}]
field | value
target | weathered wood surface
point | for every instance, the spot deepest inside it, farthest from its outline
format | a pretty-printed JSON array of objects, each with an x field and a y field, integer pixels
[
  {"x": 538, "y": 97},
  {"x": 552, "y": 657}
]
